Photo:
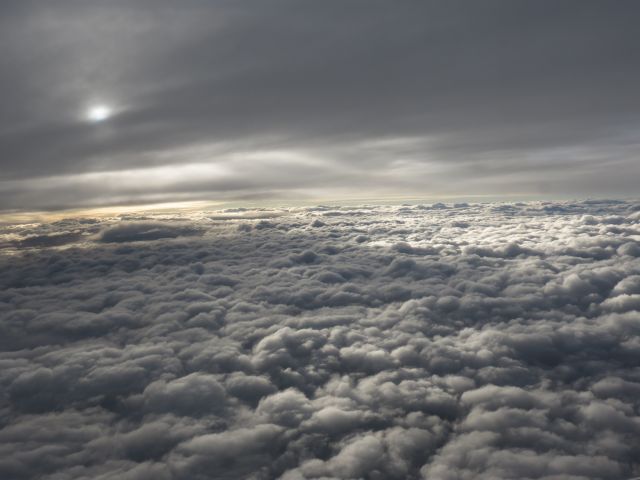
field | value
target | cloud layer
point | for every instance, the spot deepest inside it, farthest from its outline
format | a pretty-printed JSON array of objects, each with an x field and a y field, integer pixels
[
  {"x": 297, "y": 97},
  {"x": 438, "y": 341}
]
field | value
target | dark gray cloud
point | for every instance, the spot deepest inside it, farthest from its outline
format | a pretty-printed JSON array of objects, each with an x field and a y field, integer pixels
[
  {"x": 465, "y": 341},
  {"x": 273, "y": 99},
  {"x": 144, "y": 231}
]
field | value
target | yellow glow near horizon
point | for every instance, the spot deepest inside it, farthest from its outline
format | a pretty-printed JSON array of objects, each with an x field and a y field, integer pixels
[{"x": 107, "y": 211}]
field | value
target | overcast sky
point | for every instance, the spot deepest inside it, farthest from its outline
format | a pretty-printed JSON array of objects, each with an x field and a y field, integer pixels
[{"x": 293, "y": 100}]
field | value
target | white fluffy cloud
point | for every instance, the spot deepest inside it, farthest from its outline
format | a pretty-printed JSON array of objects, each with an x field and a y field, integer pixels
[{"x": 420, "y": 341}]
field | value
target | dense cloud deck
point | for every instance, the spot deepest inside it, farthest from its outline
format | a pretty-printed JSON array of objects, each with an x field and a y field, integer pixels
[{"x": 440, "y": 341}]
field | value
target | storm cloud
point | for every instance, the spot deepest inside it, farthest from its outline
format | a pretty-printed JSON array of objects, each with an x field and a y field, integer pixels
[
  {"x": 435, "y": 341},
  {"x": 303, "y": 99}
]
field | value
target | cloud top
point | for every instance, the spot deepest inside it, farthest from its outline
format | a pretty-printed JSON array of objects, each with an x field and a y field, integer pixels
[{"x": 418, "y": 341}]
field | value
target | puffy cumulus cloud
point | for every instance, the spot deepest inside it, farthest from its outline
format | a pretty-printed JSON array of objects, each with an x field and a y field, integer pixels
[
  {"x": 192, "y": 394},
  {"x": 462, "y": 341}
]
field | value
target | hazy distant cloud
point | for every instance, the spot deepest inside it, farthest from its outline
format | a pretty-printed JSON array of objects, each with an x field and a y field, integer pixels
[
  {"x": 144, "y": 231},
  {"x": 424, "y": 98},
  {"x": 445, "y": 341}
]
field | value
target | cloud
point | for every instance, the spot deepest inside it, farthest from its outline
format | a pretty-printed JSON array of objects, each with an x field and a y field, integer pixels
[
  {"x": 40, "y": 241},
  {"x": 218, "y": 100},
  {"x": 417, "y": 341},
  {"x": 142, "y": 231},
  {"x": 192, "y": 394}
]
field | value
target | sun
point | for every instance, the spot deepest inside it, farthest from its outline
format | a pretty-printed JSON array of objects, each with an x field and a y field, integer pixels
[{"x": 99, "y": 113}]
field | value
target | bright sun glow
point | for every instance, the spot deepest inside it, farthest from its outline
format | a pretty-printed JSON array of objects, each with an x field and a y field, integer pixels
[{"x": 98, "y": 113}]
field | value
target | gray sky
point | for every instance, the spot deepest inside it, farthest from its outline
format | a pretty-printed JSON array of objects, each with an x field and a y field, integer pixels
[{"x": 291, "y": 100}]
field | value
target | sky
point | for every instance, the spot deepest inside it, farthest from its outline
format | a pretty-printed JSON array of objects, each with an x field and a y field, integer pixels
[{"x": 301, "y": 100}]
